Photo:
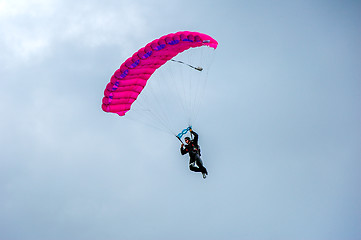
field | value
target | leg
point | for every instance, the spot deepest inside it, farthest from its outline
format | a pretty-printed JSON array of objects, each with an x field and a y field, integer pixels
[
  {"x": 193, "y": 168},
  {"x": 200, "y": 164}
]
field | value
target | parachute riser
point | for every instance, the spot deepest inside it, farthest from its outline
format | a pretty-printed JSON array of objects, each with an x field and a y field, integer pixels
[{"x": 183, "y": 132}]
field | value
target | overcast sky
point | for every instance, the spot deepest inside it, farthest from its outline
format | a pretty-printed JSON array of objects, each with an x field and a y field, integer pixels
[{"x": 280, "y": 131}]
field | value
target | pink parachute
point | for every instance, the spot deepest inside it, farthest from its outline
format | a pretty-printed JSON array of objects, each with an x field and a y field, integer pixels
[{"x": 129, "y": 80}]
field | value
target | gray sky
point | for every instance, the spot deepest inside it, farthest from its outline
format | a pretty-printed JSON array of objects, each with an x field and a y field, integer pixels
[{"x": 280, "y": 131}]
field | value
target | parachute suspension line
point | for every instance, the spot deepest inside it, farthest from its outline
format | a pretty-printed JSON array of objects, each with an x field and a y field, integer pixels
[
  {"x": 197, "y": 85},
  {"x": 172, "y": 96},
  {"x": 144, "y": 119},
  {"x": 162, "y": 115},
  {"x": 206, "y": 59},
  {"x": 194, "y": 83},
  {"x": 196, "y": 68},
  {"x": 203, "y": 85},
  {"x": 150, "y": 107},
  {"x": 191, "y": 88},
  {"x": 180, "y": 81},
  {"x": 181, "y": 92},
  {"x": 171, "y": 79},
  {"x": 160, "y": 93},
  {"x": 147, "y": 117}
]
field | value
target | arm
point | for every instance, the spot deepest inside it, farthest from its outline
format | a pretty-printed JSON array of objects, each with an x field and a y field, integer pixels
[
  {"x": 183, "y": 150},
  {"x": 195, "y": 135}
]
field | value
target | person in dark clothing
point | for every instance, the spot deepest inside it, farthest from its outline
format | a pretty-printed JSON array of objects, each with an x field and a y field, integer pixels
[{"x": 192, "y": 148}]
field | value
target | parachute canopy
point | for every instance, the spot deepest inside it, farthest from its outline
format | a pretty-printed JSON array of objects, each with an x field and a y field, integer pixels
[{"x": 130, "y": 79}]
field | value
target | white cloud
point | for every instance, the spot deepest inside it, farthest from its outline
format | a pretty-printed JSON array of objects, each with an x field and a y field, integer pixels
[
  {"x": 22, "y": 28},
  {"x": 107, "y": 26},
  {"x": 31, "y": 29},
  {"x": 16, "y": 8}
]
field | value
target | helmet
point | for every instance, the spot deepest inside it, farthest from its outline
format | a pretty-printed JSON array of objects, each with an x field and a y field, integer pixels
[{"x": 187, "y": 138}]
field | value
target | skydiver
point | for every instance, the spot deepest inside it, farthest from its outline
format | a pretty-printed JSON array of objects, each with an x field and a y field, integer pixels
[{"x": 192, "y": 148}]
